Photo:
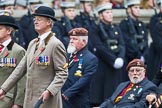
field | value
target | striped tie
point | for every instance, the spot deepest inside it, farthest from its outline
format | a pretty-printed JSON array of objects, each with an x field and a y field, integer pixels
[
  {"x": 37, "y": 44},
  {"x": 1, "y": 47}
]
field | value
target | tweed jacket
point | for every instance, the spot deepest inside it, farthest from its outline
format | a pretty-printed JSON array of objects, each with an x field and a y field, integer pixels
[
  {"x": 15, "y": 95},
  {"x": 41, "y": 76}
]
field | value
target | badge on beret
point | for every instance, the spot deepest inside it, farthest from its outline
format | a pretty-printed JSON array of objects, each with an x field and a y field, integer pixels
[
  {"x": 74, "y": 33},
  {"x": 138, "y": 63}
]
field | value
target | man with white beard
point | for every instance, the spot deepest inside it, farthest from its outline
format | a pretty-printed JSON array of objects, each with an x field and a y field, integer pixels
[
  {"x": 131, "y": 94},
  {"x": 82, "y": 66}
]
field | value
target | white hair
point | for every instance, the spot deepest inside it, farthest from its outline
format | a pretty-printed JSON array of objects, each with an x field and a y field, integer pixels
[{"x": 84, "y": 38}]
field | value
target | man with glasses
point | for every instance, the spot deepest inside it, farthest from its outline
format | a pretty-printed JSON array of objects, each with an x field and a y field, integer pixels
[
  {"x": 131, "y": 94},
  {"x": 45, "y": 63}
]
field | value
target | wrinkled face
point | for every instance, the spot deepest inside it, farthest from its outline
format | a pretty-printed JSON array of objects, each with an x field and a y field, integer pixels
[
  {"x": 76, "y": 42},
  {"x": 70, "y": 13},
  {"x": 41, "y": 23},
  {"x": 106, "y": 16},
  {"x": 136, "y": 74},
  {"x": 135, "y": 10}
]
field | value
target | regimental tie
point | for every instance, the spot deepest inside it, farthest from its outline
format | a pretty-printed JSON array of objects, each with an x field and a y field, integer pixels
[
  {"x": 1, "y": 47},
  {"x": 37, "y": 44},
  {"x": 128, "y": 88}
]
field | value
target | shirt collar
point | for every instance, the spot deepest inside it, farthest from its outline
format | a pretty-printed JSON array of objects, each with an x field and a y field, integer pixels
[
  {"x": 5, "y": 43},
  {"x": 43, "y": 36}
]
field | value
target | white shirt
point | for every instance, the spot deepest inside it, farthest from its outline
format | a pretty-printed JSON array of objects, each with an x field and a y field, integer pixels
[
  {"x": 43, "y": 36},
  {"x": 5, "y": 43}
]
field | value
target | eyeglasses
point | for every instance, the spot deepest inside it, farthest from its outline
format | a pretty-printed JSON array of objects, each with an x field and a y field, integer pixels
[
  {"x": 136, "y": 70},
  {"x": 39, "y": 19}
]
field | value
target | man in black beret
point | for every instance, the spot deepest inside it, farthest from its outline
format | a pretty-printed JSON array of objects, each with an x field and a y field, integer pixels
[{"x": 45, "y": 64}]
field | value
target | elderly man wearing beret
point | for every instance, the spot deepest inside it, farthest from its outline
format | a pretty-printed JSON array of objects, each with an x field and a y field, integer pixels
[
  {"x": 132, "y": 94},
  {"x": 45, "y": 64},
  {"x": 82, "y": 66}
]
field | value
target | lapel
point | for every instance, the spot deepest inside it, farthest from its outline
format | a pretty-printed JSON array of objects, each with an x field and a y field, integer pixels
[
  {"x": 7, "y": 50},
  {"x": 79, "y": 55},
  {"x": 119, "y": 91},
  {"x": 41, "y": 48}
]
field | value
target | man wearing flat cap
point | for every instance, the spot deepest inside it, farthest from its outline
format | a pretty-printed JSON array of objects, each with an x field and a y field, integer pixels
[
  {"x": 82, "y": 66},
  {"x": 45, "y": 64},
  {"x": 131, "y": 94},
  {"x": 10, "y": 56}
]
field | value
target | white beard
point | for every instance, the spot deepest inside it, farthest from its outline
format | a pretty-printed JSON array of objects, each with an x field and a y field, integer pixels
[
  {"x": 136, "y": 80},
  {"x": 71, "y": 49}
]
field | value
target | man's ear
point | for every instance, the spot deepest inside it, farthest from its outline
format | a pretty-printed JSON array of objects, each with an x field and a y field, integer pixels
[
  {"x": 9, "y": 31},
  {"x": 84, "y": 42}
]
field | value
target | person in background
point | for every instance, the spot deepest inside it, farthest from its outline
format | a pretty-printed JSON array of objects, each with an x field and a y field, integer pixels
[
  {"x": 18, "y": 37},
  {"x": 155, "y": 51},
  {"x": 132, "y": 94},
  {"x": 45, "y": 64},
  {"x": 82, "y": 66},
  {"x": 10, "y": 56},
  {"x": 66, "y": 23},
  {"x": 21, "y": 5},
  {"x": 117, "y": 4},
  {"x": 99, "y": 2},
  {"x": 109, "y": 47},
  {"x": 55, "y": 4},
  {"x": 134, "y": 32},
  {"x": 86, "y": 20}
]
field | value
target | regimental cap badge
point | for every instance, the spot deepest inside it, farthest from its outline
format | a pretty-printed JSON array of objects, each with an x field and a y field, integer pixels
[
  {"x": 138, "y": 63},
  {"x": 134, "y": 63},
  {"x": 74, "y": 33}
]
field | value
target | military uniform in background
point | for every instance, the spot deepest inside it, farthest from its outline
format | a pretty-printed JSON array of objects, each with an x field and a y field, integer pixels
[
  {"x": 65, "y": 24},
  {"x": 86, "y": 20},
  {"x": 155, "y": 51},
  {"x": 27, "y": 24},
  {"x": 109, "y": 47},
  {"x": 10, "y": 57},
  {"x": 135, "y": 33},
  {"x": 18, "y": 38}
]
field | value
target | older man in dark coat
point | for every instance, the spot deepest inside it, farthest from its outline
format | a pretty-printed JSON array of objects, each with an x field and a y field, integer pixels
[
  {"x": 132, "y": 94},
  {"x": 82, "y": 66}
]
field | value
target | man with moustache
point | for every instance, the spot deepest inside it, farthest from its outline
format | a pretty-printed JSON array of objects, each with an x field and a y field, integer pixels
[
  {"x": 82, "y": 66},
  {"x": 45, "y": 64},
  {"x": 131, "y": 94}
]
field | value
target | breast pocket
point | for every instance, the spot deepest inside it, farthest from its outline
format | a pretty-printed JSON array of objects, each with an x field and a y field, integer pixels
[{"x": 42, "y": 61}]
